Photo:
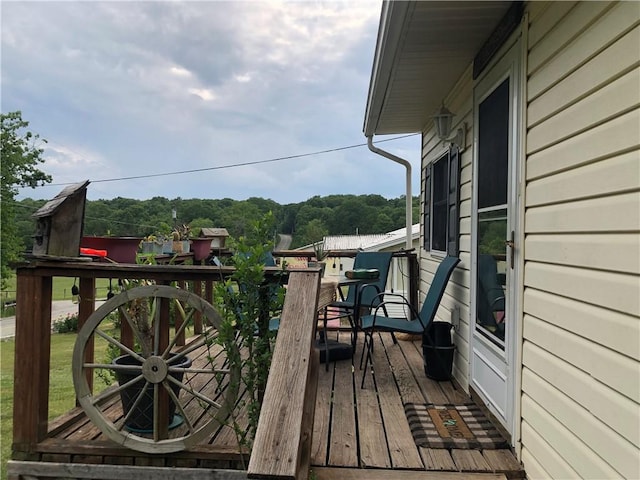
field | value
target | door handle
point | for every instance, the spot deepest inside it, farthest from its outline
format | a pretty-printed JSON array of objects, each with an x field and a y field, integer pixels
[{"x": 512, "y": 245}]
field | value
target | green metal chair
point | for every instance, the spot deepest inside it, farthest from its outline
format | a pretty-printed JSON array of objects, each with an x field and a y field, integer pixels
[
  {"x": 419, "y": 322},
  {"x": 362, "y": 295}
]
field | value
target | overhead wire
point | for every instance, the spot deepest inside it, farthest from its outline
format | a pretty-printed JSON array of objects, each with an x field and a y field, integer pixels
[{"x": 234, "y": 165}]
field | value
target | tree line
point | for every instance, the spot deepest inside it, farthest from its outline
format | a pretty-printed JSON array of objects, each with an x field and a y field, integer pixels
[{"x": 307, "y": 221}]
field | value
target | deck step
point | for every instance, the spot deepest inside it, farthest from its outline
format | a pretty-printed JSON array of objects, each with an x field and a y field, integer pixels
[{"x": 328, "y": 473}]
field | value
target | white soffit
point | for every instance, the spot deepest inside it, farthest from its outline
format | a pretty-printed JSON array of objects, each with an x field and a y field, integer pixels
[{"x": 422, "y": 49}]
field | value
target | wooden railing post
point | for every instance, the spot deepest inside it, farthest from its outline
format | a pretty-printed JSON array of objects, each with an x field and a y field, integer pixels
[
  {"x": 32, "y": 357},
  {"x": 86, "y": 307},
  {"x": 197, "y": 321},
  {"x": 282, "y": 446}
]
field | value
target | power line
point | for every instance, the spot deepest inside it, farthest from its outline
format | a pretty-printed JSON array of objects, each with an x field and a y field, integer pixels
[
  {"x": 33, "y": 210},
  {"x": 233, "y": 165}
]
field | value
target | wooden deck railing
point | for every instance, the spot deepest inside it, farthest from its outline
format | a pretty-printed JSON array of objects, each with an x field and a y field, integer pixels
[
  {"x": 282, "y": 447},
  {"x": 33, "y": 328}
]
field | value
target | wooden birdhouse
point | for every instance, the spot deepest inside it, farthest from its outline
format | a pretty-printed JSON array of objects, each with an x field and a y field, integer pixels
[
  {"x": 218, "y": 236},
  {"x": 60, "y": 222}
]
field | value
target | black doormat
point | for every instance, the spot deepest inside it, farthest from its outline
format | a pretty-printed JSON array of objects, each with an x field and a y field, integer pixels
[{"x": 452, "y": 426}]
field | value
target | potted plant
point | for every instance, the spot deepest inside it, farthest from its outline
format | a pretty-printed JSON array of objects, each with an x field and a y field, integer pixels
[
  {"x": 151, "y": 245},
  {"x": 320, "y": 254},
  {"x": 180, "y": 237}
]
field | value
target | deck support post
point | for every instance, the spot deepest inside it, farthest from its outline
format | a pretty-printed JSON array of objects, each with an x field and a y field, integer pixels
[
  {"x": 86, "y": 306},
  {"x": 31, "y": 372}
]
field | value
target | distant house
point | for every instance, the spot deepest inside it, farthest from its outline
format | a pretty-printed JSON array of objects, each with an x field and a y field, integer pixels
[{"x": 536, "y": 188}]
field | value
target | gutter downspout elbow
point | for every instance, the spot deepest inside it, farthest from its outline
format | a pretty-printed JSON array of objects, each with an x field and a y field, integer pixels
[{"x": 409, "y": 198}]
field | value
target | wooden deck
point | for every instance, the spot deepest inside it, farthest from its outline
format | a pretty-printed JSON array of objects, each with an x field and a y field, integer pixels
[
  {"x": 353, "y": 428},
  {"x": 367, "y": 428}
]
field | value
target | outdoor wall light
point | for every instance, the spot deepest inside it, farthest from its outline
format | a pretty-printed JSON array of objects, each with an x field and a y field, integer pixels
[{"x": 443, "y": 121}]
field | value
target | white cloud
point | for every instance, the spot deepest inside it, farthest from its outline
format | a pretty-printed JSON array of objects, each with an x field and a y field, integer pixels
[
  {"x": 203, "y": 93},
  {"x": 147, "y": 87},
  {"x": 180, "y": 72}
]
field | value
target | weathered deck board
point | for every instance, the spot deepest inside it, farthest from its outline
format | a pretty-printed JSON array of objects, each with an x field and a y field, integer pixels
[
  {"x": 343, "y": 446},
  {"x": 430, "y": 388},
  {"x": 289, "y": 397},
  {"x": 503, "y": 461},
  {"x": 470, "y": 460},
  {"x": 437, "y": 459},
  {"x": 319, "y": 444},
  {"x": 328, "y": 473},
  {"x": 402, "y": 448},
  {"x": 374, "y": 450}
]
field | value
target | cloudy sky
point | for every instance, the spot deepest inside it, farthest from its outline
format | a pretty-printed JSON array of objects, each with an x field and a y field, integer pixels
[{"x": 128, "y": 89}]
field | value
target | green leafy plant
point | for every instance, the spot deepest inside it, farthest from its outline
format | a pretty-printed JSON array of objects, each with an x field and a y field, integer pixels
[
  {"x": 319, "y": 251},
  {"x": 247, "y": 302},
  {"x": 66, "y": 324}
]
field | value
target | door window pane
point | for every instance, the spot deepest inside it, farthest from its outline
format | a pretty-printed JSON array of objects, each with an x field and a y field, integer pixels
[{"x": 493, "y": 148}]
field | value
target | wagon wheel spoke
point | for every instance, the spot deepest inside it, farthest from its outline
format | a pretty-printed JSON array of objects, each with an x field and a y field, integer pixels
[
  {"x": 156, "y": 412},
  {"x": 181, "y": 330},
  {"x": 111, "y": 392},
  {"x": 178, "y": 405},
  {"x": 196, "y": 394},
  {"x": 135, "y": 405},
  {"x": 209, "y": 371},
  {"x": 121, "y": 346}
]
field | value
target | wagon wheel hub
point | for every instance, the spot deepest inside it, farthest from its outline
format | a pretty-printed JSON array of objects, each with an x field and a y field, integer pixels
[{"x": 155, "y": 369}]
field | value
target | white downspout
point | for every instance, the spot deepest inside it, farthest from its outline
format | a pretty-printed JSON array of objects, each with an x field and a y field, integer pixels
[{"x": 409, "y": 198}]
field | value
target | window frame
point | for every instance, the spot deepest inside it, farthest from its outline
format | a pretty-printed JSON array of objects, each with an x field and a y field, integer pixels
[{"x": 452, "y": 190}]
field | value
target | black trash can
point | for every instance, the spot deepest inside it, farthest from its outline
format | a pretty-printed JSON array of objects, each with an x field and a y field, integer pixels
[{"x": 438, "y": 351}]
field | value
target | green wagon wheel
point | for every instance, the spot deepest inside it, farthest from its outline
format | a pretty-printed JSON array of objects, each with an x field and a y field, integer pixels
[{"x": 202, "y": 393}]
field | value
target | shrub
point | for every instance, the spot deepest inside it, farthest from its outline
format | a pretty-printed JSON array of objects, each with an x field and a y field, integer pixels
[{"x": 67, "y": 324}]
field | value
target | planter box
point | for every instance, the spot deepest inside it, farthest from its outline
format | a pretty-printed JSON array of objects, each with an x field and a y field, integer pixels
[
  {"x": 119, "y": 249},
  {"x": 154, "y": 248},
  {"x": 167, "y": 247},
  {"x": 180, "y": 246}
]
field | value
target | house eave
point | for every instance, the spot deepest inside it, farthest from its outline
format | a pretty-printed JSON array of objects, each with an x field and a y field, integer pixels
[{"x": 422, "y": 50}]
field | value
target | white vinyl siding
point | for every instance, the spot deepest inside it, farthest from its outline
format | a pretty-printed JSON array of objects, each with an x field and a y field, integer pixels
[
  {"x": 580, "y": 398},
  {"x": 454, "y": 305},
  {"x": 581, "y": 325}
]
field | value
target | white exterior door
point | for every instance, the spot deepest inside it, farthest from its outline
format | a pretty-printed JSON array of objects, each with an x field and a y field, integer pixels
[{"x": 495, "y": 227}]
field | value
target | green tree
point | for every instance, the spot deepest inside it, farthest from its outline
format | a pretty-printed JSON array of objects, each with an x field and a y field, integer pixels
[
  {"x": 21, "y": 154},
  {"x": 314, "y": 231}
]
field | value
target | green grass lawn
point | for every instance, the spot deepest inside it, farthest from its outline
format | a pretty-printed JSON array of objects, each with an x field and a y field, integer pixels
[
  {"x": 61, "y": 391},
  {"x": 61, "y": 290}
]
